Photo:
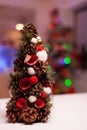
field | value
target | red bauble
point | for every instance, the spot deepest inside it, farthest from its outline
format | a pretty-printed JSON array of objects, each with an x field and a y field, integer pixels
[
  {"x": 33, "y": 59},
  {"x": 21, "y": 103},
  {"x": 33, "y": 80},
  {"x": 39, "y": 103},
  {"x": 40, "y": 48},
  {"x": 43, "y": 95},
  {"x": 25, "y": 83}
]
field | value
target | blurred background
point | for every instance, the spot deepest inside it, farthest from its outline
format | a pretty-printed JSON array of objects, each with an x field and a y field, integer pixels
[{"x": 62, "y": 25}]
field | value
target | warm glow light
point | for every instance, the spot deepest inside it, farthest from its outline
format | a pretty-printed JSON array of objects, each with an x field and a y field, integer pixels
[{"x": 19, "y": 26}]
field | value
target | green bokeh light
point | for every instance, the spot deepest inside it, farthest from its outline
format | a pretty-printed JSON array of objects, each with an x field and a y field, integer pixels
[
  {"x": 67, "y": 60},
  {"x": 48, "y": 46},
  {"x": 67, "y": 46},
  {"x": 68, "y": 82}
]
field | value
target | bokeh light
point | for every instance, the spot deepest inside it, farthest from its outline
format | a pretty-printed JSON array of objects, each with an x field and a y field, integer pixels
[
  {"x": 19, "y": 26},
  {"x": 68, "y": 82},
  {"x": 67, "y": 60},
  {"x": 67, "y": 46}
]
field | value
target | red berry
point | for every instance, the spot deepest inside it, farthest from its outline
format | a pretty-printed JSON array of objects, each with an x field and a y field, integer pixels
[
  {"x": 40, "y": 48},
  {"x": 33, "y": 80},
  {"x": 43, "y": 95}
]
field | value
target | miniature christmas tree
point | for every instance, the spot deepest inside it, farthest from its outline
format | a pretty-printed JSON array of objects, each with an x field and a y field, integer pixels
[{"x": 31, "y": 83}]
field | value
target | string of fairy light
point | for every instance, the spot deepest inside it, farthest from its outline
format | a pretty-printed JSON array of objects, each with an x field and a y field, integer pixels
[{"x": 64, "y": 61}]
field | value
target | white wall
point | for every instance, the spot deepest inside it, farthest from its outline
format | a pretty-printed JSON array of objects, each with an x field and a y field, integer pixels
[
  {"x": 74, "y": 3},
  {"x": 82, "y": 29},
  {"x": 4, "y": 80},
  {"x": 42, "y": 9},
  {"x": 66, "y": 9}
]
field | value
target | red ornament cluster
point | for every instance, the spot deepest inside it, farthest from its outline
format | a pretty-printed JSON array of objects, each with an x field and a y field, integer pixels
[
  {"x": 21, "y": 103},
  {"x": 32, "y": 60},
  {"x": 26, "y": 83},
  {"x": 39, "y": 103}
]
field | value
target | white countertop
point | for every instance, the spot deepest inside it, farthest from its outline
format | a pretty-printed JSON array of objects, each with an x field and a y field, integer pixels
[{"x": 69, "y": 112}]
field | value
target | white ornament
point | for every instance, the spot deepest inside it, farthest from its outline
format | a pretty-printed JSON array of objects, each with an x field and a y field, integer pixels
[
  {"x": 31, "y": 71},
  {"x": 42, "y": 55},
  {"x": 47, "y": 90},
  {"x": 34, "y": 40},
  {"x": 32, "y": 99},
  {"x": 39, "y": 38}
]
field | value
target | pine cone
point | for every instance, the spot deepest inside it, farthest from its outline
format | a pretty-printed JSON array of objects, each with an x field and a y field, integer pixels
[
  {"x": 11, "y": 117},
  {"x": 29, "y": 30},
  {"x": 30, "y": 48},
  {"x": 17, "y": 92},
  {"x": 36, "y": 90},
  {"x": 40, "y": 68},
  {"x": 29, "y": 115},
  {"x": 43, "y": 115}
]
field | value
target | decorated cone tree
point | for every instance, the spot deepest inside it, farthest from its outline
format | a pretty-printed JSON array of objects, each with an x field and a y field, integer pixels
[{"x": 30, "y": 85}]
